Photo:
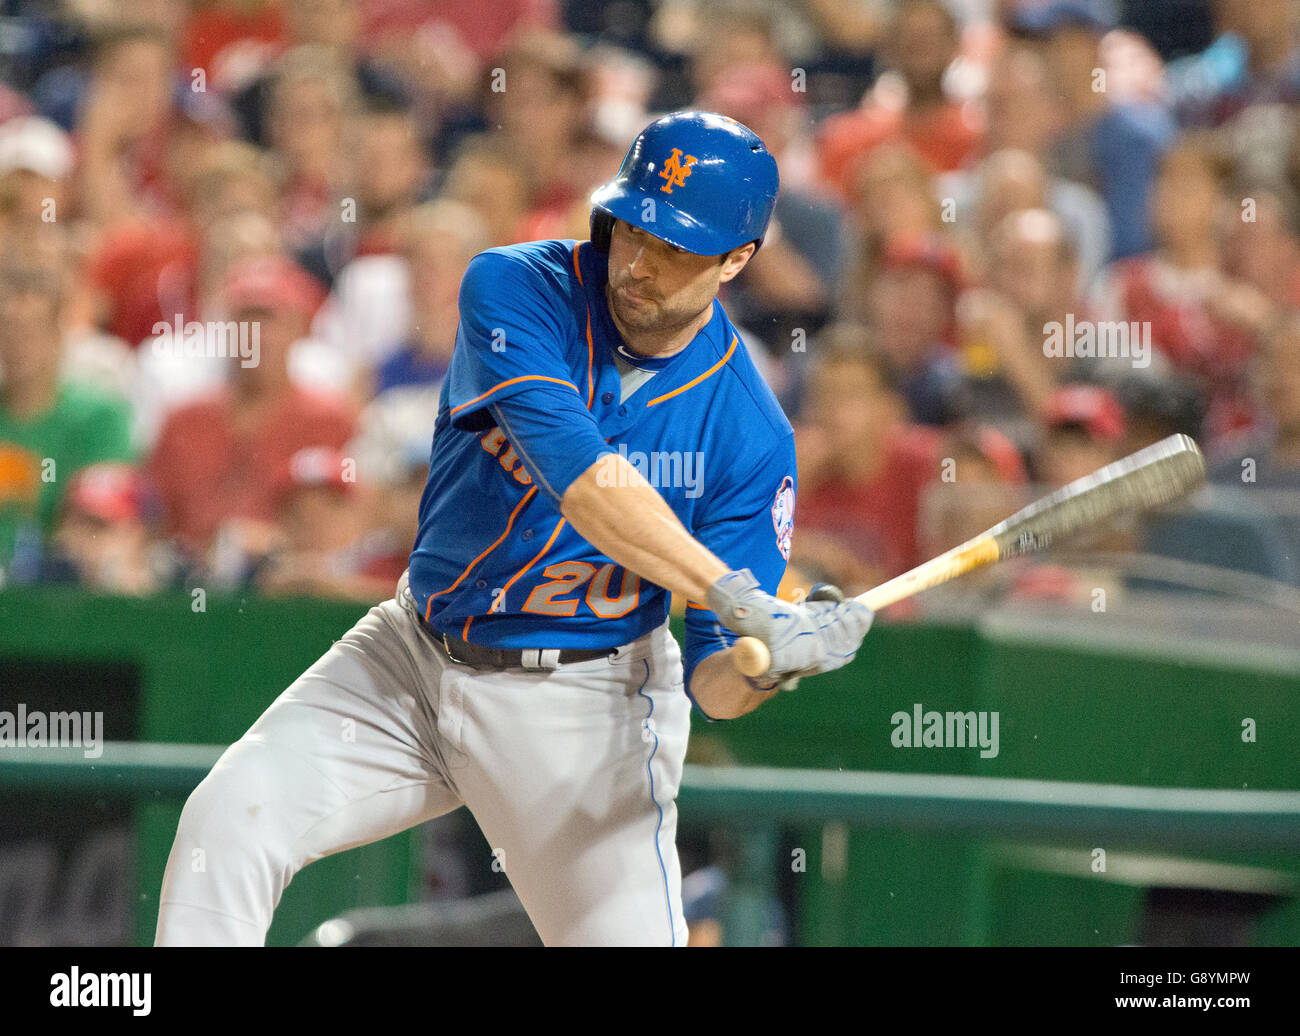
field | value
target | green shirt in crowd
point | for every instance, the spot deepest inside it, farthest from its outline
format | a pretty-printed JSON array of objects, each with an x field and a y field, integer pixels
[{"x": 39, "y": 456}]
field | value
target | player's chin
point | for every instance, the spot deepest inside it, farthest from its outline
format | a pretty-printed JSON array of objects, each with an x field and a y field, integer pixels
[{"x": 641, "y": 314}]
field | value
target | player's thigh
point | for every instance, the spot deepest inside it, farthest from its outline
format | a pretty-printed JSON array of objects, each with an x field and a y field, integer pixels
[
  {"x": 347, "y": 754},
  {"x": 572, "y": 778}
]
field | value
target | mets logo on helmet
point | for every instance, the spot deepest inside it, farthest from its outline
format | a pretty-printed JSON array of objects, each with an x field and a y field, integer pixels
[
  {"x": 783, "y": 516},
  {"x": 675, "y": 172}
]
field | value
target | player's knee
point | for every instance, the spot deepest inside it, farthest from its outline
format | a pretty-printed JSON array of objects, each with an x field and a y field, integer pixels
[{"x": 231, "y": 816}]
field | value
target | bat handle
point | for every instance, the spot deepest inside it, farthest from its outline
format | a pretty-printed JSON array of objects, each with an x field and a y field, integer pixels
[{"x": 751, "y": 656}]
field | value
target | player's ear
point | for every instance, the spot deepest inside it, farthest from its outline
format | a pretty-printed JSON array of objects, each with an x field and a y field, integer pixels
[{"x": 734, "y": 261}]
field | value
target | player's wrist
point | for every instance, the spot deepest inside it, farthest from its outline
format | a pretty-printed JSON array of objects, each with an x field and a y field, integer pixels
[{"x": 732, "y": 597}]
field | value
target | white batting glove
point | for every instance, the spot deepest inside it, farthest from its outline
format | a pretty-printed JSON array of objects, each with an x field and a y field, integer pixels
[{"x": 818, "y": 635}]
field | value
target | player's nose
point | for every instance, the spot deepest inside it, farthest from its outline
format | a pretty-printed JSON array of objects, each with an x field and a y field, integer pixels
[{"x": 641, "y": 265}]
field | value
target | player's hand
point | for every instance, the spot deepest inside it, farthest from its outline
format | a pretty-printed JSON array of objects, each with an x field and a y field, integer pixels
[
  {"x": 818, "y": 635},
  {"x": 819, "y": 592}
]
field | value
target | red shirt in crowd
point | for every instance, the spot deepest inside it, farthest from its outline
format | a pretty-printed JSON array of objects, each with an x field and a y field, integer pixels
[
  {"x": 946, "y": 138},
  {"x": 483, "y": 28},
  {"x": 876, "y": 519},
  {"x": 210, "y": 31},
  {"x": 207, "y": 472},
  {"x": 1195, "y": 341}
]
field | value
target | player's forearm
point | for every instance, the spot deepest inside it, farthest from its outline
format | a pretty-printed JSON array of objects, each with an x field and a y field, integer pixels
[
  {"x": 618, "y": 512},
  {"x": 721, "y": 691}
]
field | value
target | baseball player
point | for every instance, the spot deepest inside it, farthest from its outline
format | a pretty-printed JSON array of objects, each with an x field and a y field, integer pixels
[{"x": 603, "y": 440}]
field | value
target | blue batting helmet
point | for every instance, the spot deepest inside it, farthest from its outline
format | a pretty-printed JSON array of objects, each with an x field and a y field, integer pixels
[{"x": 700, "y": 181}]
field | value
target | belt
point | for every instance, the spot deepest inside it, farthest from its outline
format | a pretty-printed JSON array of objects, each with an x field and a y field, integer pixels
[{"x": 476, "y": 656}]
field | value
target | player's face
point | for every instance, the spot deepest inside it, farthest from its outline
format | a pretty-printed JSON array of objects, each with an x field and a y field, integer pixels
[{"x": 655, "y": 287}]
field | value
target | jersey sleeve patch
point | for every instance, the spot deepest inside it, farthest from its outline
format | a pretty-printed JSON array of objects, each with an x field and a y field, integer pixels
[{"x": 783, "y": 516}]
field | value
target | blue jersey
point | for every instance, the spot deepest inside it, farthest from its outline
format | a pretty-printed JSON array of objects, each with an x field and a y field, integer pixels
[{"x": 495, "y": 563}]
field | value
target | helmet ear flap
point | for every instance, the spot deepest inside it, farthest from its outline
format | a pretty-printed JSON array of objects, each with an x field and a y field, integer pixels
[{"x": 602, "y": 229}]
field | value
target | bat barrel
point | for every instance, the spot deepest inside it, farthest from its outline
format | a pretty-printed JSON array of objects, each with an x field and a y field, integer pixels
[{"x": 1151, "y": 477}]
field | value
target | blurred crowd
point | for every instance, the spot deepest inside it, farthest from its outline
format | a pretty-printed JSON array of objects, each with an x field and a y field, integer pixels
[{"x": 1016, "y": 239}]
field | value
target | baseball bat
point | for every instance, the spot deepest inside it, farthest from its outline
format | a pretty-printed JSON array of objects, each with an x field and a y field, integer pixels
[{"x": 1151, "y": 477}]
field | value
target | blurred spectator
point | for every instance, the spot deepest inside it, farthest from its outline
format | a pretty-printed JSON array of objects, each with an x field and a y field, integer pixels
[
  {"x": 1034, "y": 268},
  {"x": 1007, "y": 378},
  {"x": 911, "y": 105},
  {"x": 491, "y": 177},
  {"x": 441, "y": 237},
  {"x": 1270, "y": 456},
  {"x": 310, "y": 99},
  {"x": 1135, "y": 71},
  {"x": 1263, "y": 250},
  {"x": 717, "y": 36},
  {"x": 234, "y": 209},
  {"x": 1254, "y": 111},
  {"x": 164, "y": 378},
  {"x": 73, "y": 31},
  {"x": 912, "y": 310},
  {"x": 982, "y": 480},
  {"x": 1253, "y": 63},
  {"x": 329, "y": 29},
  {"x": 892, "y": 199},
  {"x": 391, "y": 174},
  {"x": 365, "y": 318},
  {"x": 323, "y": 546},
  {"x": 1025, "y": 113},
  {"x": 231, "y": 39},
  {"x": 1021, "y": 108},
  {"x": 441, "y": 48},
  {"x": 1085, "y": 431},
  {"x": 1158, "y": 404},
  {"x": 50, "y": 428},
  {"x": 849, "y": 32},
  {"x": 368, "y": 312},
  {"x": 705, "y": 895},
  {"x": 619, "y": 85},
  {"x": 1201, "y": 321},
  {"x": 862, "y": 465},
  {"x": 1106, "y": 143},
  {"x": 128, "y": 113},
  {"x": 105, "y": 539},
  {"x": 1011, "y": 181},
  {"x": 217, "y": 458},
  {"x": 392, "y": 448},
  {"x": 145, "y": 272},
  {"x": 36, "y": 162},
  {"x": 141, "y": 273},
  {"x": 541, "y": 111}
]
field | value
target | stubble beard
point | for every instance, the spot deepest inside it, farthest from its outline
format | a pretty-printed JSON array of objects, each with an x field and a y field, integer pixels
[{"x": 649, "y": 317}]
